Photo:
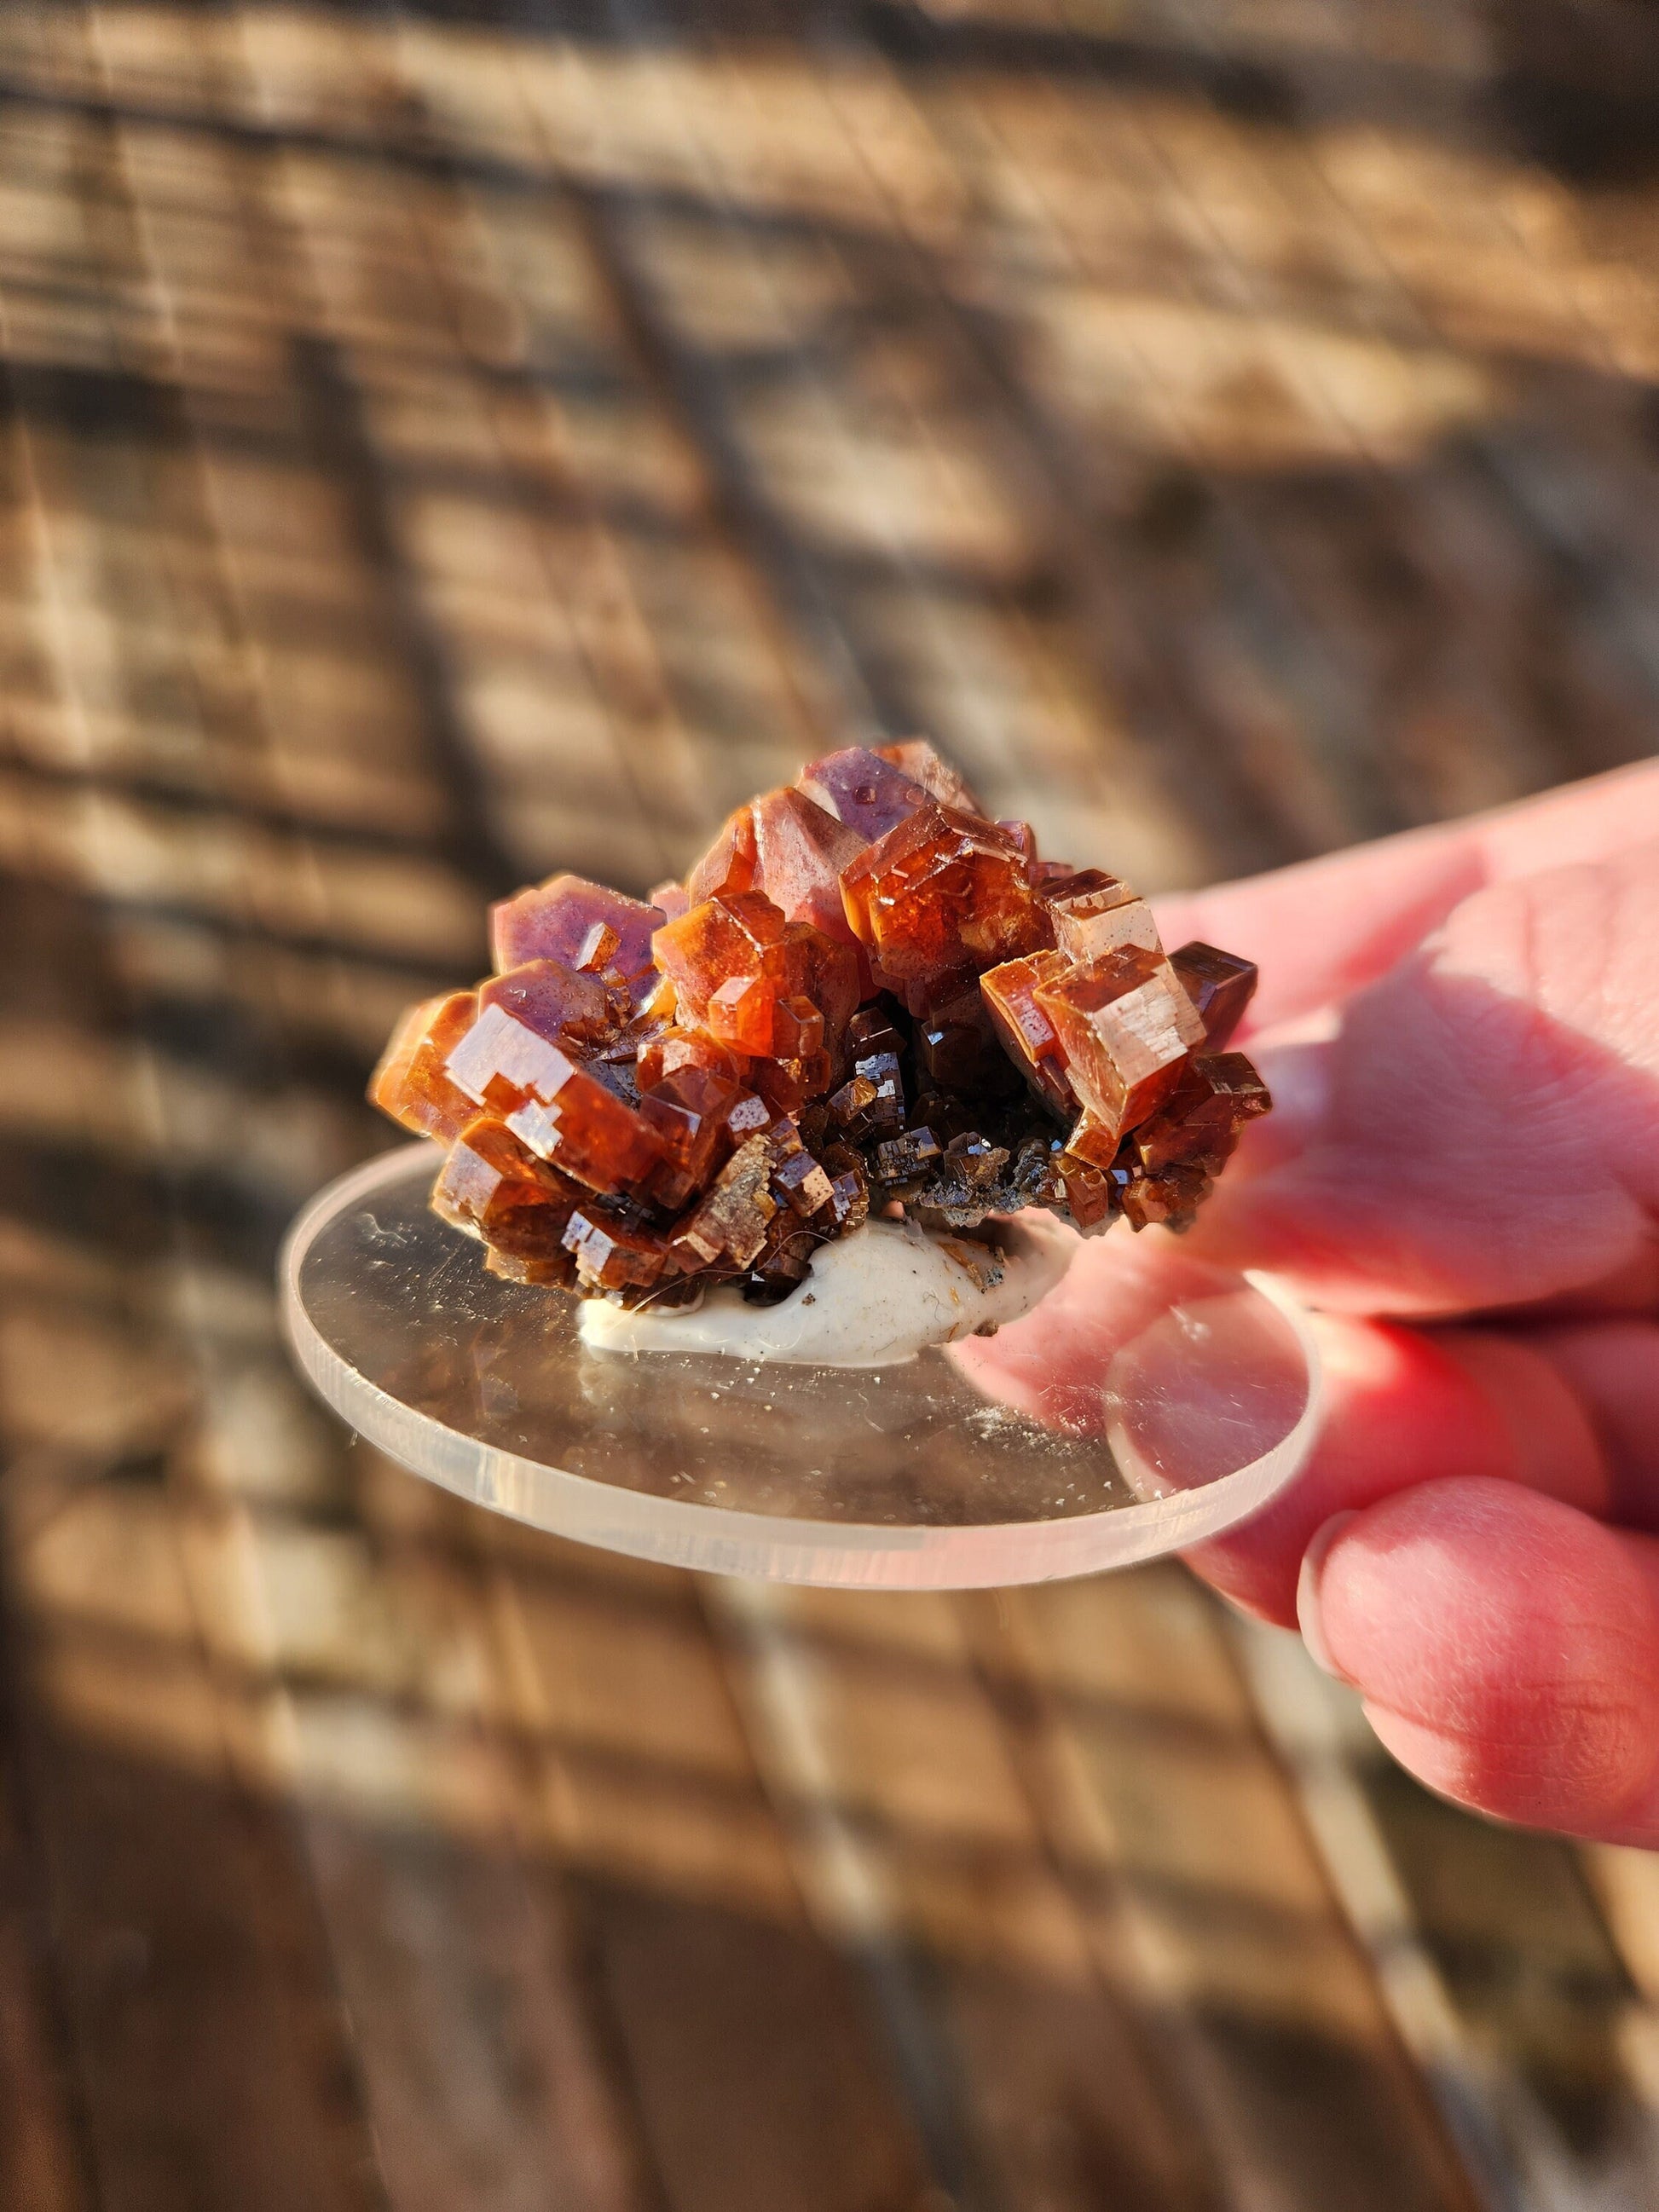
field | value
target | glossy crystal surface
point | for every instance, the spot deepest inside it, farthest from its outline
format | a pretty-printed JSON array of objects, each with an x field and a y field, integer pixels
[{"x": 864, "y": 984}]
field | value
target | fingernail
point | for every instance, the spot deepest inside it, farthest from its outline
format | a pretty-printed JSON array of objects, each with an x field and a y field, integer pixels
[{"x": 1307, "y": 1592}]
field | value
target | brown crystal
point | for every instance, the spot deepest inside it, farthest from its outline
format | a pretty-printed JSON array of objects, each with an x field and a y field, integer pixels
[
  {"x": 729, "y": 1227},
  {"x": 849, "y": 1188},
  {"x": 828, "y": 970},
  {"x": 1024, "y": 1031},
  {"x": 412, "y": 1084},
  {"x": 898, "y": 1159},
  {"x": 750, "y": 1117},
  {"x": 557, "y": 1272},
  {"x": 850, "y": 987},
  {"x": 566, "y": 1005},
  {"x": 790, "y": 1084},
  {"x": 942, "y": 897},
  {"x": 754, "y": 981},
  {"x": 1094, "y": 914},
  {"x": 870, "y": 1104},
  {"x": 611, "y": 1253},
  {"x": 599, "y": 949},
  {"x": 1204, "y": 1116},
  {"x": 673, "y": 1048},
  {"x": 959, "y": 1049},
  {"x": 728, "y": 867},
  {"x": 687, "y": 1113},
  {"x": 550, "y": 1103},
  {"x": 1219, "y": 984},
  {"x": 797, "y": 1177},
  {"x": 782, "y": 1261},
  {"x": 494, "y": 1189},
  {"x": 1095, "y": 1141},
  {"x": 1125, "y": 1027},
  {"x": 1086, "y": 1190},
  {"x": 1172, "y": 1196}
]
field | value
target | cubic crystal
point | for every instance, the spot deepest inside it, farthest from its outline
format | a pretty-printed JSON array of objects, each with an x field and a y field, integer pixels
[
  {"x": 1126, "y": 1028},
  {"x": 797, "y": 1177},
  {"x": 496, "y": 1189},
  {"x": 1094, "y": 914},
  {"x": 1172, "y": 1196},
  {"x": 1204, "y": 1116},
  {"x": 613, "y": 1254},
  {"x": 565, "y": 1005},
  {"x": 673, "y": 1048},
  {"x": 552, "y": 1104},
  {"x": 687, "y": 1112},
  {"x": 942, "y": 895},
  {"x": 899, "y": 1158},
  {"x": 412, "y": 1084},
  {"x": 959, "y": 1049},
  {"x": 1219, "y": 984},
  {"x": 1024, "y": 1031},
  {"x": 729, "y": 1227}
]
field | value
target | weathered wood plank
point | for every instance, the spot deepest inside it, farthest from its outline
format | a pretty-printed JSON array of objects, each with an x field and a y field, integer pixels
[
  {"x": 1173, "y": 1819},
  {"x": 916, "y": 1845}
]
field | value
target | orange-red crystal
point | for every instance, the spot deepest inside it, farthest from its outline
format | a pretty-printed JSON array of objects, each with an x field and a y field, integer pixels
[{"x": 846, "y": 992}]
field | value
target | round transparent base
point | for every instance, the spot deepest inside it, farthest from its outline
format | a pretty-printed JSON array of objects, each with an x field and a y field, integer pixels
[{"x": 897, "y": 1478}]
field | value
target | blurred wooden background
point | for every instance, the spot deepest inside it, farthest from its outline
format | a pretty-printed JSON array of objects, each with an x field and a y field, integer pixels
[{"x": 446, "y": 443}]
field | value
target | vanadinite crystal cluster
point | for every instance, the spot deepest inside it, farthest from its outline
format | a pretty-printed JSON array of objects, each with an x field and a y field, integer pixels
[{"x": 866, "y": 995}]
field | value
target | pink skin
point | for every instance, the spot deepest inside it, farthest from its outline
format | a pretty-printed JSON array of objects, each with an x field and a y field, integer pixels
[{"x": 1461, "y": 1029}]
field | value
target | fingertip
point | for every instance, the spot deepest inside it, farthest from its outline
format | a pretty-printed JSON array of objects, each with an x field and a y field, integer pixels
[{"x": 1506, "y": 1645}]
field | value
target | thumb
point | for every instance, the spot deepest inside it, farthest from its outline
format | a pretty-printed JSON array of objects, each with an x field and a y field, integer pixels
[{"x": 1479, "y": 1128}]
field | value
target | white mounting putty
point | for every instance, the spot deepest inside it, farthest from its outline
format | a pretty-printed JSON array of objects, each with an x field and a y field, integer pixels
[{"x": 872, "y": 1299}]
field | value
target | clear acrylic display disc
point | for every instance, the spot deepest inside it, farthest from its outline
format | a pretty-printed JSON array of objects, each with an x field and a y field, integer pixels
[{"x": 897, "y": 1478}]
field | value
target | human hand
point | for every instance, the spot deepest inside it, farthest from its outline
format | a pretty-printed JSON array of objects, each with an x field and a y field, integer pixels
[{"x": 1460, "y": 1029}]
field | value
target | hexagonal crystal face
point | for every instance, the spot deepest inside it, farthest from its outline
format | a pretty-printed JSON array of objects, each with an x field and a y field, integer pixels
[{"x": 864, "y": 984}]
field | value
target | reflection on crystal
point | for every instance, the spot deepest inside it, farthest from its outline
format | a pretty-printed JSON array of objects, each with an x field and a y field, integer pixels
[
  {"x": 553, "y": 920},
  {"x": 1125, "y": 1027},
  {"x": 496, "y": 1189},
  {"x": 412, "y": 1084},
  {"x": 869, "y": 792},
  {"x": 1094, "y": 914}
]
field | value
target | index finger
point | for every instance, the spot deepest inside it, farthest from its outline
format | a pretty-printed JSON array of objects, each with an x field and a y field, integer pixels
[{"x": 1321, "y": 930}]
